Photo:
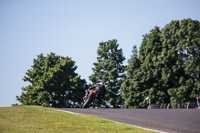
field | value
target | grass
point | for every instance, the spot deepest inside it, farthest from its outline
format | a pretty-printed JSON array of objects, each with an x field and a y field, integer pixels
[{"x": 29, "y": 119}]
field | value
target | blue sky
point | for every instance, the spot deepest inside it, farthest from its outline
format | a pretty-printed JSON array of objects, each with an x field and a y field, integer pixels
[{"x": 74, "y": 28}]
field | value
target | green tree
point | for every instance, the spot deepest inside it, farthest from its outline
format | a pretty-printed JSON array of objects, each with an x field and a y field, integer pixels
[
  {"x": 169, "y": 66},
  {"x": 109, "y": 69},
  {"x": 133, "y": 62},
  {"x": 145, "y": 79},
  {"x": 128, "y": 91},
  {"x": 186, "y": 43},
  {"x": 53, "y": 83},
  {"x": 150, "y": 56}
]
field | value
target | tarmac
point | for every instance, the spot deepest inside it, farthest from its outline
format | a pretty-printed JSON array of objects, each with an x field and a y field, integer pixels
[{"x": 160, "y": 120}]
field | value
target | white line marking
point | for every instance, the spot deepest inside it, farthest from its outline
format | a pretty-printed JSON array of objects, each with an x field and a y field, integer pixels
[{"x": 68, "y": 112}]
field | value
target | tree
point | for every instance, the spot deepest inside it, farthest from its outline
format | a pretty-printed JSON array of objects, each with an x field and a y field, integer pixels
[
  {"x": 128, "y": 91},
  {"x": 109, "y": 69},
  {"x": 187, "y": 50},
  {"x": 133, "y": 62},
  {"x": 151, "y": 58},
  {"x": 53, "y": 83},
  {"x": 169, "y": 66},
  {"x": 144, "y": 80}
]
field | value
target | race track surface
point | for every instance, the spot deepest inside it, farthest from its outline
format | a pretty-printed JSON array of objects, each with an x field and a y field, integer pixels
[{"x": 164, "y": 120}]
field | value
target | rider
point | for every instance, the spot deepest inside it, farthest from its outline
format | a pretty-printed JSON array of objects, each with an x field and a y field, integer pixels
[{"x": 100, "y": 89}]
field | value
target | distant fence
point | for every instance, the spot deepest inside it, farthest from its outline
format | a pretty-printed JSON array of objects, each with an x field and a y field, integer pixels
[{"x": 183, "y": 105}]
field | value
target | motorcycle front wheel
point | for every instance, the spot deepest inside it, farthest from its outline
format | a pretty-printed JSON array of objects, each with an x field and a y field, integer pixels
[{"x": 88, "y": 102}]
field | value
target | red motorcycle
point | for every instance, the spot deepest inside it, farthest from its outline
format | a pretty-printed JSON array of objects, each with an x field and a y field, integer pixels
[{"x": 90, "y": 98}]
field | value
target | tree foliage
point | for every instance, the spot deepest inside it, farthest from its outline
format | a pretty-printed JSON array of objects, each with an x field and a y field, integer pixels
[
  {"x": 169, "y": 66},
  {"x": 126, "y": 87},
  {"x": 53, "y": 83},
  {"x": 109, "y": 68},
  {"x": 166, "y": 69}
]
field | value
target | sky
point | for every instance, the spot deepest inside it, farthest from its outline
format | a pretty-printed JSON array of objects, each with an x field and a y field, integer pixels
[{"x": 74, "y": 28}]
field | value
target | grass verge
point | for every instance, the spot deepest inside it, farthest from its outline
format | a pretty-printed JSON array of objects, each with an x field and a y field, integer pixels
[{"x": 28, "y": 119}]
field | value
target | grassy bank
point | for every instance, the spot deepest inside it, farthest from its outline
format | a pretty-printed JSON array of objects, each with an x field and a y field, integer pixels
[{"x": 25, "y": 119}]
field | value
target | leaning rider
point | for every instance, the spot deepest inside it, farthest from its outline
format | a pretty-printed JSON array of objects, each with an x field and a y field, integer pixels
[{"x": 100, "y": 89}]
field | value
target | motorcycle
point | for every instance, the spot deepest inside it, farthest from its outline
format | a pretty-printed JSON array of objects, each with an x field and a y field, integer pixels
[{"x": 90, "y": 99}]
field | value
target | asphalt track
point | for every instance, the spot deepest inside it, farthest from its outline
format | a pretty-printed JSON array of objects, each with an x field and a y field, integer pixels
[{"x": 164, "y": 120}]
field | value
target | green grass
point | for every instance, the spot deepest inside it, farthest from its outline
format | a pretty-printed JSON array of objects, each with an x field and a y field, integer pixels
[{"x": 28, "y": 119}]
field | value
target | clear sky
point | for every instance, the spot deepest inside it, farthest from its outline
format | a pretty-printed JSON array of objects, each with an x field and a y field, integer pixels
[{"x": 74, "y": 28}]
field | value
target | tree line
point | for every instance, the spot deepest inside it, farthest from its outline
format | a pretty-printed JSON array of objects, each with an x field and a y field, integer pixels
[{"x": 166, "y": 69}]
